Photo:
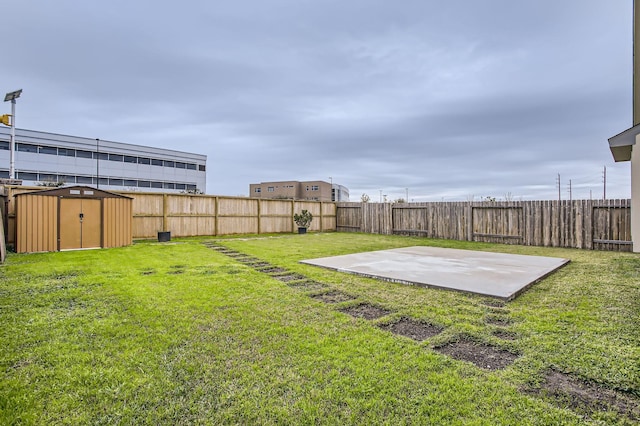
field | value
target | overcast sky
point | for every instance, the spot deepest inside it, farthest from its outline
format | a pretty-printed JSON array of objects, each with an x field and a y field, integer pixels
[{"x": 450, "y": 99}]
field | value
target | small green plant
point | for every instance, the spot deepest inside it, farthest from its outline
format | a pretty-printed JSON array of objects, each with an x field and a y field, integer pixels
[{"x": 303, "y": 219}]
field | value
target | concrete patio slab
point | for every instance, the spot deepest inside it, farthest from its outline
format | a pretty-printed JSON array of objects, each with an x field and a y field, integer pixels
[{"x": 499, "y": 275}]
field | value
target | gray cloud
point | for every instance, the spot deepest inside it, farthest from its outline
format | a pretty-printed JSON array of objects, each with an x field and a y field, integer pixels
[{"x": 448, "y": 99}]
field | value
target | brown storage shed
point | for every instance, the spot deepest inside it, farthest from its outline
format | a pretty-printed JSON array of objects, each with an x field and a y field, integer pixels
[{"x": 75, "y": 217}]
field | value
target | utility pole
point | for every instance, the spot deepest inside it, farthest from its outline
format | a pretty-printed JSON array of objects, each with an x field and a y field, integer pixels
[
  {"x": 98, "y": 163},
  {"x": 406, "y": 200},
  {"x": 570, "y": 192},
  {"x": 604, "y": 183},
  {"x": 559, "y": 187}
]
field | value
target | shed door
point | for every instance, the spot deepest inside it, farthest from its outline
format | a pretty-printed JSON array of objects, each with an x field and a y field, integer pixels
[{"x": 80, "y": 223}]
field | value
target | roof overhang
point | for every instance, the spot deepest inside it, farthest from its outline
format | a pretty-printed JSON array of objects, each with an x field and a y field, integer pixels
[{"x": 622, "y": 143}]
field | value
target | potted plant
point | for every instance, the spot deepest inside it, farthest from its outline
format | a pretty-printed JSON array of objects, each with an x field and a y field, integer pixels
[{"x": 303, "y": 220}]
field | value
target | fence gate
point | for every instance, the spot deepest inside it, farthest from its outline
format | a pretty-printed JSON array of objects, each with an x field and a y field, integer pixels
[
  {"x": 612, "y": 228},
  {"x": 498, "y": 224}
]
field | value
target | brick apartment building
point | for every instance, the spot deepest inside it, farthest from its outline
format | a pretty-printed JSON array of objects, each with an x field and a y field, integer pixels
[{"x": 316, "y": 190}]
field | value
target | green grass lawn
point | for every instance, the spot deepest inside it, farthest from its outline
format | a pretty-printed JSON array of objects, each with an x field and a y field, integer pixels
[{"x": 178, "y": 333}]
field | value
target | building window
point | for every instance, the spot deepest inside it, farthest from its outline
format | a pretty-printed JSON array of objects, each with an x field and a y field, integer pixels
[
  {"x": 155, "y": 162},
  {"x": 48, "y": 150},
  {"x": 257, "y": 190},
  {"x": 4, "y": 145},
  {"x": 156, "y": 184},
  {"x": 65, "y": 152},
  {"x": 144, "y": 184},
  {"x": 67, "y": 178},
  {"x": 201, "y": 167},
  {"x": 169, "y": 164},
  {"x": 116, "y": 157},
  {"x": 27, "y": 176},
  {"x": 83, "y": 154},
  {"x": 103, "y": 181},
  {"x": 270, "y": 189},
  {"x": 130, "y": 159},
  {"x": 115, "y": 182},
  {"x": 181, "y": 186},
  {"x": 314, "y": 187},
  {"x": 130, "y": 182},
  {"x": 25, "y": 147},
  {"x": 84, "y": 179},
  {"x": 143, "y": 160},
  {"x": 191, "y": 187},
  {"x": 4, "y": 174},
  {"x": 180, "y": 165},
  {"x": 191, "y": 166},
  {"x": 169, "y": 185},
  {"x": 101, "y": 155},
  {"x": 46, "y": 177}
]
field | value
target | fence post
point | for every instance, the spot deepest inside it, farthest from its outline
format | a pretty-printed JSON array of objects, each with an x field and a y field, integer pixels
[
  {"x": 470, "y": 222},
  {"x": 165, "y": 208},
  {"x": 363, "y": 216},
  {"x": 259, "y": 216},
  {"x": 216, "y": 213}
]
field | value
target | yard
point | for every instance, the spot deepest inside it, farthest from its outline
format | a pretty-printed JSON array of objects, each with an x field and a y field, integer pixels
[{"x": 236, "y": 331}]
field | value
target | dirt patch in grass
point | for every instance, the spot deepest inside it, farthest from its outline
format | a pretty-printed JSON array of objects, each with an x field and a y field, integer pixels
[
  {"x": 500, "y": 321},
  {"x": 308, "y": 285},
  {"x": 247, "y": 260},
  {"x": 176, "y": 270},
  {"x": 365, "y": 311},
  {"x": 413, "y": 329},
  {"x": 482, "y": 355},
  {"x": 584, "y": 397},
  {"x": 272, "y": 270},
  {"x": 333, "y": 297},
  {"x": 259, "y": 264},
  {"x": 494, "y": 303},
  {"x": 234, "y": 254},
  {"x": 289, "y": 277},
  {"x": 505, "y": 335},
  {"x": 148, "y": 272}
]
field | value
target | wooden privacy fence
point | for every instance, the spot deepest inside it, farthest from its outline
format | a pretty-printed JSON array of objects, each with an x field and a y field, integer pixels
[
  {"x": 193, "y": 215},
  {"x": 587, "y": 224}
]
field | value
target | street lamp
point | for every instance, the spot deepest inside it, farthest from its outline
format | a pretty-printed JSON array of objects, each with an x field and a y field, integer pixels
[{"x": 12, "y": 96}]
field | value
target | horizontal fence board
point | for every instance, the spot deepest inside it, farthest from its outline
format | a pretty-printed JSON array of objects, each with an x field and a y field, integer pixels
[{"x": 586, "y": 224}]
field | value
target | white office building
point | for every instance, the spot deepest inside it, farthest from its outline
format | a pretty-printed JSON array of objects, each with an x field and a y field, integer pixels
[{"x": 47, "y": 157}]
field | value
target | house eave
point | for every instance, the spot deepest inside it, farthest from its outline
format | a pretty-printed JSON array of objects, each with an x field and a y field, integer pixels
[{"x": 622, "y": 144}]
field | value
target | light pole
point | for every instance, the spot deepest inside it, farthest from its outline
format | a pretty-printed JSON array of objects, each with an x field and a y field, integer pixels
[
  {"x": 12, "y": 96},
  {"x": 98, "y": 163}
]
